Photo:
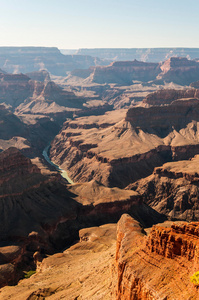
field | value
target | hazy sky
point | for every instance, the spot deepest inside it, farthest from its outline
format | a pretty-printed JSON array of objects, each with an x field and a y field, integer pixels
[{"x": 99, "y": 23}]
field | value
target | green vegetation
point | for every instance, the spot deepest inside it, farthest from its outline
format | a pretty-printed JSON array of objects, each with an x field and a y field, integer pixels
[
  {"x": 195, "y": 278},
  {"x": 29, "y": 273}
]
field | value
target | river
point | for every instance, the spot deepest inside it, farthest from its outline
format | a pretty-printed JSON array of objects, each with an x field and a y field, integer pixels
[{"x": 63, "y": 173}]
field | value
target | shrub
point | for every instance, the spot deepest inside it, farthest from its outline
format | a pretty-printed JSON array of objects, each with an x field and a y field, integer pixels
[
  {"x": 195, "y": 278},
  {"x": 29, "y": 273}
]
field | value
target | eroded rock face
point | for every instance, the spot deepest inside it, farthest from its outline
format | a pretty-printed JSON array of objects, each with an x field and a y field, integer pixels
[
  {"x": 122, "y": 72},
  {"x": 172, "y": 189},
  {"x": 179, "y": 240},
  {"x": 47, "y": 213},
  {"x": 155, "y": 267},
  {"x": 16, "y": 88},
  {"x": 179, "y": 70},
  {"x": 166, "y": 96},
  {"x": 117, "y": 153},
  {"x": 42, "y": 75}
]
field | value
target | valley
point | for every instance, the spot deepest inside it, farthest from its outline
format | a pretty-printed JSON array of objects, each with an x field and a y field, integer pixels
[{"x": 98, "y": 174}]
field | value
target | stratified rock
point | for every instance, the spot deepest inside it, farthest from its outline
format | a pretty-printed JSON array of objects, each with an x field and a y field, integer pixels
[
  {"x": 179, "y": 70},
  {"x": 158, "y": 266},
  {"x": 18, "y": 90},
  {"x": 173, "y": 189},
  {"x": 122, "y": 72},
  {"x": 166, "y": 96},
  {"x": 45, "y": 204},
  {"x": 117, "y": 151}
]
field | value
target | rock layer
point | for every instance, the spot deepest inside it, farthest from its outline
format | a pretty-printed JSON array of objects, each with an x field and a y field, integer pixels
[
  {"x": 117, "y": 153},
  {"x": 144, "y": 271},
  {"x": 172, "y": 189}
]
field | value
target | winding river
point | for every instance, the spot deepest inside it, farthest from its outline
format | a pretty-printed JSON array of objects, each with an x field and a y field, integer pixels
[{"x": 63, "y": 173}]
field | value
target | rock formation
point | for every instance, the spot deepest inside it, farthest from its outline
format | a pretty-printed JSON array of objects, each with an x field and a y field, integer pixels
[
  {"x": 158, "y": 266},
  {"x": 82, "y": 271},
  {"x": 166, "y": 96},
  {"x": 122, "y": 72},
  {"x": 172, "y": 189},
  {"x": 41, "y": 213},
  {"x": 179, "y": 70},
  {"x": 15, "y": 89},
  {"x": 41, "y": 75},
  {"x": 117, "y": 153}
]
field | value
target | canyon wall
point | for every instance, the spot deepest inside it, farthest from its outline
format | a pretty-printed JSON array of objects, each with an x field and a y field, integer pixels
[{"x": 155, "y": 267}]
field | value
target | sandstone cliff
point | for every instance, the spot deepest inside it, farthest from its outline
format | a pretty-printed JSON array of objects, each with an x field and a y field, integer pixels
[{"x": 158, "y": 266}]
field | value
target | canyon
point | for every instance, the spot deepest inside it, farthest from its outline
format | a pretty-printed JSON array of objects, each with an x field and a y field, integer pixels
[
  {"x": 155, "y": 263},
  {"x": 129, "y": 147},
  {"x": 126, "y": 132}
]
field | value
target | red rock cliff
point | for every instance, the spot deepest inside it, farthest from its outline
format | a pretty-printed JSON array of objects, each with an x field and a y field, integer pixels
[{"x": 157, "y": 267}]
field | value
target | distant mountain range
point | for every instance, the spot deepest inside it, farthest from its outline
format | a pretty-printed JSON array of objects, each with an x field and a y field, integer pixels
[{"x": 143, "y": 54}]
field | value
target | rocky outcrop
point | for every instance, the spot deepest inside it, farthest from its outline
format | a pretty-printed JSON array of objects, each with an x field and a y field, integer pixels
[
  {"x": 81, "y": 271},
  {"x": 122, "y": 72},
  {"x": 42, "y": 75},
  {"x": 155, "y": 267},
  {"x": 179, "y": 70},
  {"x": 42, "y": 214},
  {"x": 172, "y": 189},
  {"x": 179, "y": 240},
  {"x": 195, "y": 84},
  {"x": 167, "y": 96},
  {"x": 16, "y": 89},
  {"x": 176, "y": 115}
]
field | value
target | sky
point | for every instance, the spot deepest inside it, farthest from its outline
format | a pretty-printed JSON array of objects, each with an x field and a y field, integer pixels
[{"x": 99, "y": 23}]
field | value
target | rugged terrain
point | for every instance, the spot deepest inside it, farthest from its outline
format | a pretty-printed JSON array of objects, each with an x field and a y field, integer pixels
[
  {"x": 157, "y": 266},
  {"x": 117, "y": 153},
  {"x": 172, "y": 189},
  {"x": 82, "y": 271},
  {"x": 178, "y": 70},
  {"x": 155, "y": 263},
  {"x": 40, "y": 213}
]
